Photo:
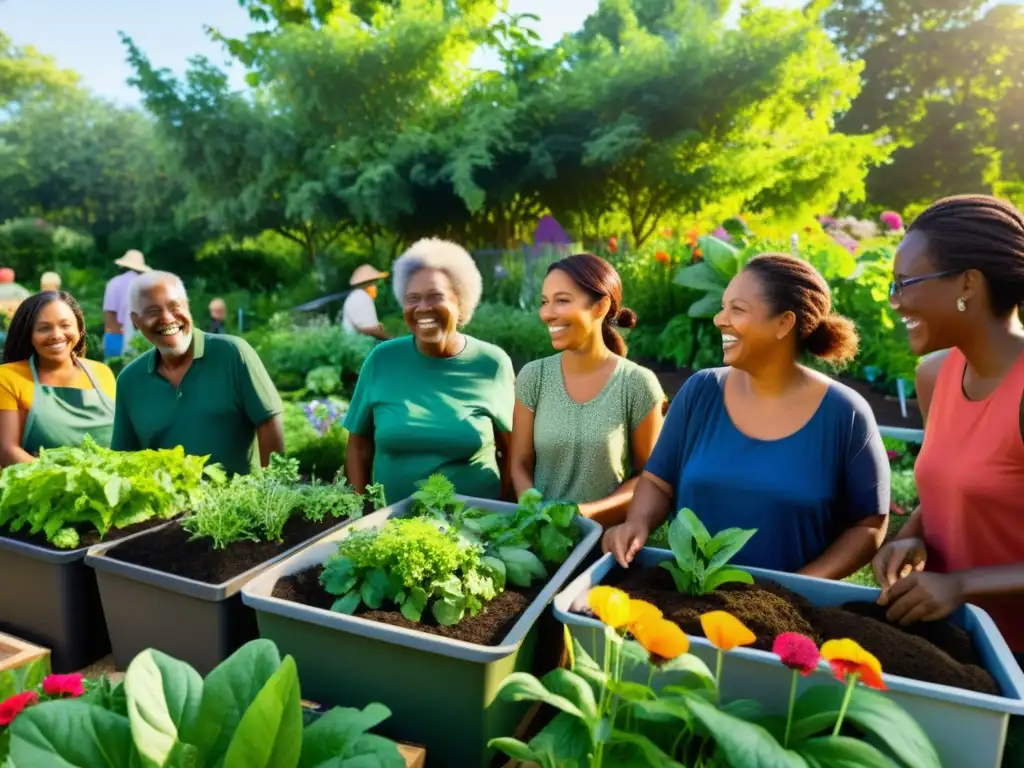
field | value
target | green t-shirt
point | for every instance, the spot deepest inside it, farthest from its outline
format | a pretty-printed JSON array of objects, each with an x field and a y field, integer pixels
[
  {"x": 429, "y": 414},
  {"x": 224, "y": 396},
  {"x": 583, "y": 450}
]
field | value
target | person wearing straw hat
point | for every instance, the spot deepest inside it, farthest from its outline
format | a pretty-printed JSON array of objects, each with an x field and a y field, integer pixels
[
  {"x": 117, "y": 324},
  {"x": 50, "y": 281},
  {"x": 358, "y": 313}
]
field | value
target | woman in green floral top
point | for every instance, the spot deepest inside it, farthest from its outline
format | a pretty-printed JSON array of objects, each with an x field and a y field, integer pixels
[{"x": 586, "y": 419}]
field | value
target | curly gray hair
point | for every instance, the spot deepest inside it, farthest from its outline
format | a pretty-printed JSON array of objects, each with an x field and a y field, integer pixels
[{"x": 450, "y": 258}]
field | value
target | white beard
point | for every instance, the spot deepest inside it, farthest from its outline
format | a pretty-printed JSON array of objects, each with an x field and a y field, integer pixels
[{"x": 178, "y": 350}]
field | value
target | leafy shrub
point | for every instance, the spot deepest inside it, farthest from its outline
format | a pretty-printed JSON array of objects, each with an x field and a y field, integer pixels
[
  {"x": 290, "y": 352},
  {"x": 314, "y": 437},
  {"x": 325, "y": 380},
  {"x": 519, "y": 332}
]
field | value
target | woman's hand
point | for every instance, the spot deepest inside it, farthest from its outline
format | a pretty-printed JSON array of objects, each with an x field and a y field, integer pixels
[
  {"x": 923, "y": 597},
  {"x": 896, "y": 560},
  {"x": 625, "y": 540}
]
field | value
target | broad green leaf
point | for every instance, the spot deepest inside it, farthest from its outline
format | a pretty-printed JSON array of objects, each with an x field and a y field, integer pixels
[
  {"x": 573, "y": 687},
  {"x": 688, "y": 518},
  {"x": 587, "y": 668},
  {"x": 336, "y": 732},
  {"x": 163, "y": 696},
  {"x": 701, "y": 277},
  {"x": 629, "y": 691},
  {"x": 725, "y": 544},
  {"x": 692, "y": 667},
  {"x": 818, "y": 708},
  {"x": 497, "y": 571},
  {"x": 709, "y": 305},
  {"x": 270, "y": 732},
  {"x": 741, "y": 743},
  {"x": 681, "y": 540},
  {"x": 347, "y": 603},
  {"x": 522, "y": 566},
  {"x": 24, "y": 678},
  {"x": 339, "y": 575},
  {"x": 652, "y": 752},
  {"x": 561, "y": 512},
  {"x": 555, "y": 546},
  {"x": 71, "y": 734},
  {"x": 662, "y": 711},
  {"x": 716, "y": 579},
  {"x": 723, "y": 258},
  {"x": 631, "y": 655},
  {"x": 843, "y": 752},
  {"x": 514, "y": 748},
  {"x": 683, "y": 579},
  {"x": 374, "y": 588},
  {"x": 449, "y": 610},
  {"x": 565, "y": 742},
  {"x": 414, "y": 604},
  {"x": 228, "y": 692},
  {"x": 520, "y": 686}
]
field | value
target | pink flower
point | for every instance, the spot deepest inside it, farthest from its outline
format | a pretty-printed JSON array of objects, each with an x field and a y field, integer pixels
[
  {"x": 15, "y": 705},
  {"x": 827, "y": 222},
  {"x": 893, "y": 455},
  {"x": 63, "y": 685},
  {"x": 796, "y": 651},
  {"x": 892, "y": 220},
  {"x": 722, "y": 234}
]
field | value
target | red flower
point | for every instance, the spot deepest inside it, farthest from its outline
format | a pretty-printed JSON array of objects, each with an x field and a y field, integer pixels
[
  {"x": 693, "y": 236},
  {"x": 662, "y": 258},
  {"x": 63, "y": 685},
  {"x": 797, "y": 652},
  {"x": 14, "y": 706},
  {"x": 613, "y": 244},
  {"x": 697, "y": 255}
]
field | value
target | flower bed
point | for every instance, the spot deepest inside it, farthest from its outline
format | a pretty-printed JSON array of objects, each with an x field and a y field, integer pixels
[
  {"x": 435, "y": 601},
  {"x": 176, "y": 588},
  {"x": 957, "y": 677},
  {"x": 52, "y": 510}
]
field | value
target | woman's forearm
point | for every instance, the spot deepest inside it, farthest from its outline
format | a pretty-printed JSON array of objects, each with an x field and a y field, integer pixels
[
  {"x": 503, "y": 455},
  {"x": 522, "y": 478},
  {"x": 359, "y": 462},
  {"x": 612, "y": 509},
  {"x": 912, "y": 529},
  {"x": 850, "y": 552},
  {"x": 15, "y": 454},
  {"x": 993, "y": 581},
  {"x": 652, "y": 499}
]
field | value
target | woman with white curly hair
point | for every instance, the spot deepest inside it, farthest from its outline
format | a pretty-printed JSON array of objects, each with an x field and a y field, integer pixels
[{"x": 438, "y": 401}]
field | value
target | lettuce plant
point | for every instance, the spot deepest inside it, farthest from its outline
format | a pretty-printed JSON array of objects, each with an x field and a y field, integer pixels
[
  {"x": 702, "y": 560},
  {"x": 246, "y": 714}
]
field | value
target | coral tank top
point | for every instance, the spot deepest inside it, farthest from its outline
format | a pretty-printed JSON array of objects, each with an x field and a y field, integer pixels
[{"x": 970, "y": 479}]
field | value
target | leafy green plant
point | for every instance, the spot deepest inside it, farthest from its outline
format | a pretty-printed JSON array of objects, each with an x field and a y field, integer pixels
[
  {"x": 702, "y": 560},
  {"x": 324, "y": 380},
  {"x": 412, "y": 562},
  {"x": 257, "y": 507},
  {"x": 246, "y": 714},
  {"x": 290, "y": 352},
  {"x": 98, "y": 488}
]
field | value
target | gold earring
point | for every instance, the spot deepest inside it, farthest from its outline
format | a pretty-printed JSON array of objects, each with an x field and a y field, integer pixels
[{"x": 961, "y": 305}]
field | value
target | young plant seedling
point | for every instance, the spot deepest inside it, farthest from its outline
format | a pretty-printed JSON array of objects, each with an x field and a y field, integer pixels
[{"x": 702, "y": 560}]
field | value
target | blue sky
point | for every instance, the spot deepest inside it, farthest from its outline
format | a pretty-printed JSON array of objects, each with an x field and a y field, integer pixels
[{"x": 83, "y": 34}]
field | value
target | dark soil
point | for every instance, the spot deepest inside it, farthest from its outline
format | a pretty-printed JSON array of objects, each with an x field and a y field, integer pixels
[
  {"x": 88, "y": 535},
  {"x": 489, "y": 627},
  {"x": 768, "y": 609},
  {"x": 886, "y": 409},
  {"x": 933, "y": 652},
  {"x": 170, "y": 551}
]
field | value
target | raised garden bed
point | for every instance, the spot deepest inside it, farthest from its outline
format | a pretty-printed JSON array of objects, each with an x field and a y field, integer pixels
[
  {"x": 440, "y": 681},
  {"x": 51, "y": 597},
  {"x": 957, "y": 678}
]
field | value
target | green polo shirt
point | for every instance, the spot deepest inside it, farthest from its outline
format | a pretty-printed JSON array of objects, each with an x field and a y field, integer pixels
[{"x": 224, "y": 396}]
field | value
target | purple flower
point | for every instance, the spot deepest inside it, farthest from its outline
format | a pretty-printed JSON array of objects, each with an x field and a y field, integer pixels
[
  {"x": 892, "y": 220},
  {"x": 722, "y": 234},
  {"x": 827, "y": 222},
  {"x": 323, "y": 415}
]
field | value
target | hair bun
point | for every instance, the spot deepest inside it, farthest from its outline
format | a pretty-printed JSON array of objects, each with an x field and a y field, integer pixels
[
  {"x": 626, "y": 318},
  {"x": 835, "y": 340}
]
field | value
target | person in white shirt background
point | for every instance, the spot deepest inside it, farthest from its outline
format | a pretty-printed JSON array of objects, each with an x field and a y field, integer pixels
[
  {"x": 117, "y": 321},
  {"x": 358, "y": 313}
]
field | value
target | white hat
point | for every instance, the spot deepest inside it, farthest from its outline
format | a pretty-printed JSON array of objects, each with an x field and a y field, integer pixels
[
  {"x": 366, "y": 274},
  {"x": 133, "y": 260}
]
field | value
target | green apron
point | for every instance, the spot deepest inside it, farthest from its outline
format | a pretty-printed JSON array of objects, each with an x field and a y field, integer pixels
[{"x": 63, "y": 416}]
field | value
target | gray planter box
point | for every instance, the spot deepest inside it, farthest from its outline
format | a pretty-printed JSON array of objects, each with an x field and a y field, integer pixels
[
  {"x": 199, "y": 623},
  {"x": 441, "y": 692},
  {"x": 967, "y": 728},
  {"x": 49, "y": 597}
]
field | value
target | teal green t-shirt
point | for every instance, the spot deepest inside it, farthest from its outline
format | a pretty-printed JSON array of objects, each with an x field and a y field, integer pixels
[{"x": 429, "y": 414}]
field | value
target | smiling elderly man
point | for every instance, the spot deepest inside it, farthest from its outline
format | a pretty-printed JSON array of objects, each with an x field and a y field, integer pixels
[{"x": 208, "y": 393}]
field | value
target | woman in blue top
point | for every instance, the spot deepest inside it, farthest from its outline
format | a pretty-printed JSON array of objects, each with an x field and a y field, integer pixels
[{"x": 767, "y": 443}]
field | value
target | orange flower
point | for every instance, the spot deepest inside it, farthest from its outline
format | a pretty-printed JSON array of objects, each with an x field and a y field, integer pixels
[
  {"x": 661, "y": 637},
  {"x": 847, "y": 658},
  {"x": 613, "y": 244},
  {"x": 612, "y": 606},
  {"x": 662, "y": 258},
  {"x": 640, "y": 611},
  {"x": 697, "y": 255},
  {"x": 691, "y": 238},
  {"x": 666, "y": 232},
  {"x": 725, "y": 631}
]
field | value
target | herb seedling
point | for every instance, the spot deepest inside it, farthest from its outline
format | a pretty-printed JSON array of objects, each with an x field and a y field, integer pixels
[{"x": 702, "y": 560}]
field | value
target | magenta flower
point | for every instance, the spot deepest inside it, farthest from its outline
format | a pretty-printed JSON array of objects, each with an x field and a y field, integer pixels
[
  {"x": 892, "y": 220},
  {"x": 796, "y": 651},
  {"x": 63, "y": 685},
  {"x": 827, "y": 222}
]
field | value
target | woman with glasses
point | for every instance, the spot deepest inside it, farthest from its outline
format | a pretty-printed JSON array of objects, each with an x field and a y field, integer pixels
[
  {"x": 958, "y": 283},
  {"x": 437, "y": 401}
]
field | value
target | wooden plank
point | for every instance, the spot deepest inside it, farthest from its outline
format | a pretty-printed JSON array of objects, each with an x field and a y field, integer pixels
[
  {"x": 415, "y": 757},
  {"x": 15, "y": 653}
]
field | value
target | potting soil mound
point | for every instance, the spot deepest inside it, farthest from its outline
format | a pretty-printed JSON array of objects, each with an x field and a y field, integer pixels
[
  {"x": 87, "y": 534},
  {"x": 489, "y": 627},
  {"x": 768, "y": 609},
  {"x": 933, "y": 652},
  {"x": 170, "y": 550}
]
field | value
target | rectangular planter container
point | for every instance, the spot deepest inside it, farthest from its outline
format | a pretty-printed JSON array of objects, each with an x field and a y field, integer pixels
[
  {"x": 50, "y": 597},
  {"x": 441, "y": 692},
  {"x": 199, "y": 623},
  {"x": 967, "y": 728}
]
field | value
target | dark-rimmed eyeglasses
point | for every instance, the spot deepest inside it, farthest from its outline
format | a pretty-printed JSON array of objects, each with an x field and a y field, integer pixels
[{"x": 896, "y": 286}]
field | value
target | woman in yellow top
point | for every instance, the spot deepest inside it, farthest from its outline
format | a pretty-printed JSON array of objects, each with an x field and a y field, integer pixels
[{"x": 50, "y": 395}]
